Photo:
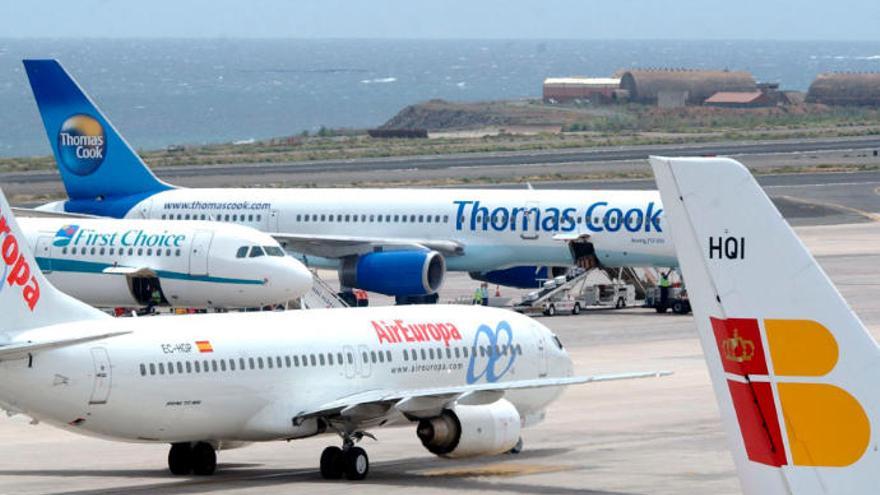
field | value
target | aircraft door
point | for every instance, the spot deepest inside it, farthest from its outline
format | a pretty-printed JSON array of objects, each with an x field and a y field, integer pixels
[
  {"x": 273, "y": 221},
  {"x": 350, "y": 358},
  {"x": 531, "y": 219},
  {"x": 103, "y": 377},
  {"x": 542, "y": 351},
  {"x": 363, "y": 355},
  {"x": 44, "y": 253},
  {"x": 198, "y": 254},
  {"x": 145, "y": 208}
]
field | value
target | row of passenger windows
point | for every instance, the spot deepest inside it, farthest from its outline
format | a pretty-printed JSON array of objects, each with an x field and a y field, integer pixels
[
  {"x": 596, "y": 221},
  {"x": 259, "y": 363},
  {"x": 112, "y": 251},
  {"x": 316, "y": 360},
  {"x": 364, "y": 218},
  {"x": 257, "y": 251},
  {"x": 219, "y": 217},
  {"x": 460, "y": 352}
]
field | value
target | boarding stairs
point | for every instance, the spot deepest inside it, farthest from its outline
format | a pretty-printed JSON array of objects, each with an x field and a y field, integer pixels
[
  {"x": 321, "y": 295},
  {"x": 575, "y": 277}
]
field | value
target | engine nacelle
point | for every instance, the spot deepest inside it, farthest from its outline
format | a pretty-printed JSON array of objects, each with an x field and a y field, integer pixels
[
  {"x": 465, "y": 431},
  {"x": 520, "y": 277},
  {"x": 395, "y": 273}
]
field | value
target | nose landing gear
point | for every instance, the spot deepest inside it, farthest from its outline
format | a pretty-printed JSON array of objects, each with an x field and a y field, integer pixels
[{"x": 349, "y": 461}]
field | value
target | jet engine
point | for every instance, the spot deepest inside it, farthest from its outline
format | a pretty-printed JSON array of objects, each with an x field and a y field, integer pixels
[
  {"x": 465, "y": 431},
  {"x": 395, "y": 273},
  {"x": 521, "y": 277}
]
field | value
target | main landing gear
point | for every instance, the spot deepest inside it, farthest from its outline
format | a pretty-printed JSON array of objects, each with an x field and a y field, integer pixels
[
  {"x": 349, "y": 461},
  {"x": 197, "y": 458}
]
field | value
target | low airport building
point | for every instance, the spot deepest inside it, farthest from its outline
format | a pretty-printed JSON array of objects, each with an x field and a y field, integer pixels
[
  {"x": 846, "y": 88},
  {"x": 671, "y": 88},
  {"x": 593, "y": 89}
]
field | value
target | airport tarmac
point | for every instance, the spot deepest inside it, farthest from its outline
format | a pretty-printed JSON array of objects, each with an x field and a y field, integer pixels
[{"x": 652, "y": 436}]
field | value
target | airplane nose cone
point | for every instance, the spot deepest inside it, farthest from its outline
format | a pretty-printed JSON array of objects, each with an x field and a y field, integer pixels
[{"x": 298, "y": 277}]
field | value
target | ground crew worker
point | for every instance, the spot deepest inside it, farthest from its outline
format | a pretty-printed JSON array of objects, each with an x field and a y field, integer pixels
[
  {"x": 484, "y": 294},
  {"x": 664, "y": 289},
  {"x": 478, "y": 296},
  {"x": 156, "y": 297}
]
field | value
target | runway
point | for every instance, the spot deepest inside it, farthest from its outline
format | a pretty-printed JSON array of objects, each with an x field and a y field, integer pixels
[
  {"x": 655, "y": 436},
  {"x": 597, "y": 159}
]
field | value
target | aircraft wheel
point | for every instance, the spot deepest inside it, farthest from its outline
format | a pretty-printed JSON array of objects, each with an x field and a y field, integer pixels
[
  {"x": 204, "y": 459},
  {"x": 180, "y": 459},
  {"x": 331, "y": 463},
  {"x": 355, "y": 463}
]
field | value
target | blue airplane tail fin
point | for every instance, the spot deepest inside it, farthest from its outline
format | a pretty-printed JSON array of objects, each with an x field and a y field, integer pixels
[{"x": 95, "y": 162}]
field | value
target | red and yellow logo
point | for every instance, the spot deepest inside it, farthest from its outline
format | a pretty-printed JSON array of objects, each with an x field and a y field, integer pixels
[
  {"x": 824, "y": 424},
  {"x": 204, "y": 346}
]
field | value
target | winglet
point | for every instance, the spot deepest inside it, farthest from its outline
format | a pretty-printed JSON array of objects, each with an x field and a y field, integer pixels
[{"x": 793, "y": 369}]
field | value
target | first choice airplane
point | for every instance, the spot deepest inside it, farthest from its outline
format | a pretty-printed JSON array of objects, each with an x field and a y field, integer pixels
[
  {"x": 398, "y": 242},
  {"x": 466, "y": 378},
  {"x": 111, "y": 263},
  {"x": 794, "y": 370}
]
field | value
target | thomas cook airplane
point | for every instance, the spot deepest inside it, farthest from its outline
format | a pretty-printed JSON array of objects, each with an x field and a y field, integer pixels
[
  {"x": 504, "y": 237},
  {"x": 109, "y": 263},
  {"x": 466, "y": 378},
  {"x": 793, "y": 368}
]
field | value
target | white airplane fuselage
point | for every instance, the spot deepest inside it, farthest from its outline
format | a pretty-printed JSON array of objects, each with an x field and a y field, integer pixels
[
  {"x": 497, "y": 228},
  {"x": 260, "y": 377},
  {"x": 196, "y": 263}
]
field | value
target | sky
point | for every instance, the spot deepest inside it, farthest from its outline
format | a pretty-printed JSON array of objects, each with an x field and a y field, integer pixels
[{"x": 844, "y": 20}]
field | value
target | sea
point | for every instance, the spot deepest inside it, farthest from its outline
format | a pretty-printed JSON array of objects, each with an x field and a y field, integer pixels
[{"x": 159, "y": 92}]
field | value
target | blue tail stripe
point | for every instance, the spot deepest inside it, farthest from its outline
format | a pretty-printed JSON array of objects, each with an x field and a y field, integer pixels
[{"x": 95, "y": 162}]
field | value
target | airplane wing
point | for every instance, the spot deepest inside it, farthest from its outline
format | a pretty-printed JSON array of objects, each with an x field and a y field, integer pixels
[
  {"x": 23, "y": 349},
  {"x": 129, "y": 270},
  {"x": 427, "y": 402},
  {"x": 337, "y": 246},
  {"x": 33, "y": 213}
]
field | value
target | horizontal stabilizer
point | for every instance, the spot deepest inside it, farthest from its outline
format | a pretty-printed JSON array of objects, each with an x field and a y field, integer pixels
[
  {"x": 36, "y": 213},
  {"x": 23, "y": 349}
]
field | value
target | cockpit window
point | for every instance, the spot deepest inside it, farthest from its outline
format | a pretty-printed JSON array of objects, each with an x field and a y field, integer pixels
[
  {"x": 273, "y": 250},
  {"x": 558, "y": 342},
  {"x": 256, "y": 251},
  {"x": 242, "y": 252}
]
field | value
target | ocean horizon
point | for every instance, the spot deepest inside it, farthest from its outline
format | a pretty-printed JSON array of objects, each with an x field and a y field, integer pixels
[{"x": 159, "y": 92}]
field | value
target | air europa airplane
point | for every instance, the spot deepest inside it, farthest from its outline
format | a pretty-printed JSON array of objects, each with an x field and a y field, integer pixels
[
  {"x": 793, "y": 369},
  {"x": 109, "y": 263},
  {"x": 465, "y": 378},
  {"x": 398, "y": 242}
]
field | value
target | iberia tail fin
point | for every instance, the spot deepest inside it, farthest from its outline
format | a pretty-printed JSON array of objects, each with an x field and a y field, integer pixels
[
  {"x": 794, "y": 370},
  {"x": 27, "y": 299},
  {"x": 96, "y": 164}
]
